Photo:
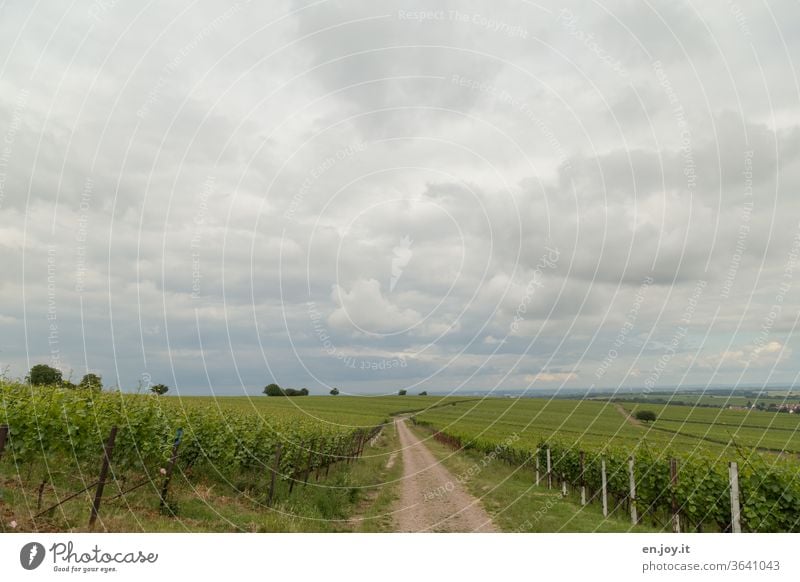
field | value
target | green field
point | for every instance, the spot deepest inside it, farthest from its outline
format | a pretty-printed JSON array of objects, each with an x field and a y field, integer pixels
[
  {"x": 594, "y": 423},
  {"x": 230, "y": 445},
  {"x": 347, "y": 411},
  {"x": 713, "y": 400},
  {"x": 581, "y": 436},
  {"x": 778, "y": 432}
]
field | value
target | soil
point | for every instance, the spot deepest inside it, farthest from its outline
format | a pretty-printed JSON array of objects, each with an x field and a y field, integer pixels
[{"x": 431, "y": 498}]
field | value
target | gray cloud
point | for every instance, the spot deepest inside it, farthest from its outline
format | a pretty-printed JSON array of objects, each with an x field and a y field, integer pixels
[{"x": 362, "y": 193}]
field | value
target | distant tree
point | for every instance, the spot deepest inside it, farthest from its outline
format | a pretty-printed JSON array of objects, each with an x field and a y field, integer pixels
[
  {"x": 645, "y": 415},
  {"x": 402, "y": 392},
  {"x": 91, "y": 382},
  {"x": 273, "y": 390},
  {"x": 293, "y": 392},
  {"x": 42, "y": 375},
  {"x": 423, "y": 393},
  {"x": 334, "y": 392},
  {"x": 68, "y": 385},
  {"x": 159, "y": 389}
]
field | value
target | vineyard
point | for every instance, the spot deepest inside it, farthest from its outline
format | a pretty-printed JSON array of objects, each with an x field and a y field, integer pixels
[
  {"x": 71, "y": 425},
  {"x": 257, "y": 452},
  {"x": 59, "y": 435},
  {"x": 522, "y": 432}
]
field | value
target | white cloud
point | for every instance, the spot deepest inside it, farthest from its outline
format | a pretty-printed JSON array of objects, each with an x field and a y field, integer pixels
[
  {"x": 551, "y": 377},
  {"x": 364, "y": 309}
]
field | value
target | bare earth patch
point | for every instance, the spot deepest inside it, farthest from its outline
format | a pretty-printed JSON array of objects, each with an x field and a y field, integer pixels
[
  {"x": 628, "y": 417},
  {"x": 431, "y": 499}
]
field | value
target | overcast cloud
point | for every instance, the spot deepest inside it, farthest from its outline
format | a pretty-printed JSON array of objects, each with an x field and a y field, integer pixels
[{"x": 378, "y": 195}]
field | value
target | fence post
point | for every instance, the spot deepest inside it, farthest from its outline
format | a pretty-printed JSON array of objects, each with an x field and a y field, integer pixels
[
  {"x": 3, "y": 436},
  {"x": 563, "y": 486},
  {"x": 41, "y": 494},
  {"x": 321, "y": 459},
  {"x": 549, "y": 470},
  {"x": 537, "y": 467},
  {"x": 632, "y": 478},
  {"x": 583, "y": 479},
  {"x": 361, "y": 441},
  {"x": 309, "y": 461},
  {"x": 101, "y": 483},
  {"x": 673, "y": 480},
  {"x": 337, "y": 456},
  {"x": 275, "y": 468},
  {"x": 604, "y": 481},
  {"x": 351, "y": 449},
  {"x": 170, "y": 467},
  {"x": 733, "y": 474}
]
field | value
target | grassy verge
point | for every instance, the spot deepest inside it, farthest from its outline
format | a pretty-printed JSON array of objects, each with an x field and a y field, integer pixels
[
  {"x": 516, "y": 504},
  {"x": 374, "y": 514},
  {"x": 200, "y": 503}
]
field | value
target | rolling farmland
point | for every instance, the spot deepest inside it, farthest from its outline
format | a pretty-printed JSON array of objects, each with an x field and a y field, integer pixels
[
  {"x": 264, "y": 447},
  {"x": 778, "y": 432},
  {"x": 581, "y": 436},
  {"x": 534, "y": 419}
]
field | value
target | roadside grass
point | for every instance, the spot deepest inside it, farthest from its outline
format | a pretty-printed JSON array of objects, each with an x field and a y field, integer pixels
[
  {"x": 516, "y": 504},
  {"x": 202, "y": 503},
  {"x": 375, "y": 511}
]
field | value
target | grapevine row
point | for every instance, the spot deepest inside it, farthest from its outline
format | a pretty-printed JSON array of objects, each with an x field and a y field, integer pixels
[
  {"x": 67, "y": 428},
  {"x": 770, "y": 487}
]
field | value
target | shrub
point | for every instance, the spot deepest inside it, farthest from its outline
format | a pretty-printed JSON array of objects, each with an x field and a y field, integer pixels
[{"x": 645, "y": 415}]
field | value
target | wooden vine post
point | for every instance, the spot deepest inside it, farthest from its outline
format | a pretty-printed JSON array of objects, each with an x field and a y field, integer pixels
[
  {"x": 101, "y": 482},
  {"x": 3, "y": 437},
  {"x": 173, "y": 458},
  {"x": 673, "y": 481},
  {"x": 736, "y": 518},
  {"x": 309, "y": 461},
  {"x": 549, "y": 470},
  {"x": 604, "y": 485},
  {"x": 537, "y": 467},
  {"x": 273, "y": 478},
  {"x": 583, "y": 478},
  {"x": 632, "y": 479}
]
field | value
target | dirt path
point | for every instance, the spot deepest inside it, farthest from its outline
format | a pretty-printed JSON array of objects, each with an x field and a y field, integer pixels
[
  {"x": 630, "y": 418},
  {"x": 431, "y": 498}
]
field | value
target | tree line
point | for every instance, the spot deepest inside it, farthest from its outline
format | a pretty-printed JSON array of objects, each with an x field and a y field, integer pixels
[{"x": 44, "y": 375}]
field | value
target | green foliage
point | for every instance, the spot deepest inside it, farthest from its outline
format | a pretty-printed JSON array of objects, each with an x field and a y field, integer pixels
[
  {"x": 44, "y": 375},
  {"x": 423, "y": 393},
  {"x": 273, "y": 390},
  {"x": 69, "y": 428},
  {"x": 402, "y": 392},
  {"x": 334, "y": 392},
  {"x": 770, "y": 486},
  {"x": 91, "y": 382},
  {"x": 645, "y": 415},
  {"x": 293, "y": 392},
  {"x": 159, "y": 389}
]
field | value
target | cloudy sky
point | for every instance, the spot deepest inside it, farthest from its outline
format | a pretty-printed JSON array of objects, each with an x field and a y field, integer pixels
[{"x": 381, "y": 194}]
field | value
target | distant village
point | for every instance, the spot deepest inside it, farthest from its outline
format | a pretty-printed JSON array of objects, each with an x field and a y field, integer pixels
[{"x": 771, "y": 407}]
